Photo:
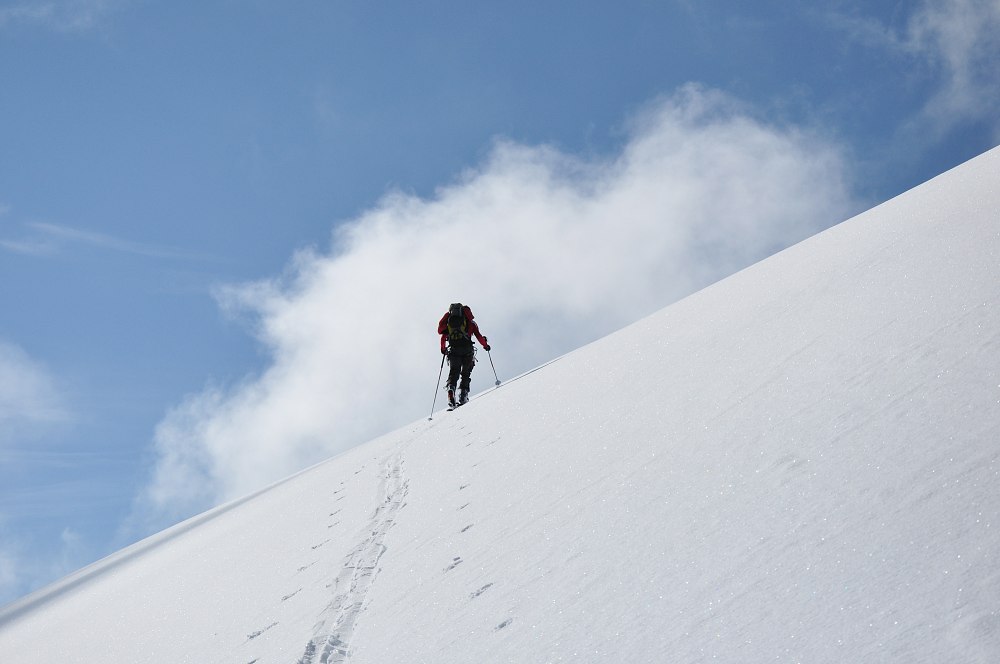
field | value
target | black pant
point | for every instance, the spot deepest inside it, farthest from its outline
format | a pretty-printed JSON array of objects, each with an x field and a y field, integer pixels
[{"x": 460, "y": 365}]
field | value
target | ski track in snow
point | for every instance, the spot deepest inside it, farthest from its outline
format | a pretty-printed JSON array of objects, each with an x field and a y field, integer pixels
[{"x": 332, "y": 640}]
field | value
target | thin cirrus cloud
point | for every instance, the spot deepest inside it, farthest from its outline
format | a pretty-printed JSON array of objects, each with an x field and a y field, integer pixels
[
  {"x": 551, "y": 250},
  {"x": 46, "y": 239},
  {"x": 58, "y": 15}
]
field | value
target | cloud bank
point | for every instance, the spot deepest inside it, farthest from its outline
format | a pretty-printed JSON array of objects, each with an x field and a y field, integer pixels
[{"x": 551, "y": 250}]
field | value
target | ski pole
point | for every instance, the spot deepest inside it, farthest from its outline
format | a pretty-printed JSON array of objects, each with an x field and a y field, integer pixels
[
  {"x": 433, "y": 403},
  {"x": 494, "y": 368}
]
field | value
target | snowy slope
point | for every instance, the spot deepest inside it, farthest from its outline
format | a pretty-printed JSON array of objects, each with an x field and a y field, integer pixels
[{"x": 799, "y": 463}]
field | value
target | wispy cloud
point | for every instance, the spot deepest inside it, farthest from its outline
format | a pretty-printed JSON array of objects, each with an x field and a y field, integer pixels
[
  {"x": 961, "y": 39},
  {"x": 35, "y": 411},
  {"x": 31, "y": 405},
  {"x": 26, "y": 566},
  {"x": 59, "y": 15},
  {"x": 9, "y": 567},
  {"x": 48, "y": 239},
  {"x": 29, "y": 246},
  {"x": 29, "y": 397},
  {"x": 956, "y": 43},
  {"x": 551, "y": 251}
]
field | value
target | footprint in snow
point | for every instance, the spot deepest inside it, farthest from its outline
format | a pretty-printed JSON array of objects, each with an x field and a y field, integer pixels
[
  {"x": 505, "y": 623},
  {"x": 455, "y": 562},
  {"x": 480, "y": 591},
  {"x": 254, "y": 635},
  {"x": 462, "y": 507},
  {"x": 467, "y": 527},
  {"x": 464, "y": 486}
]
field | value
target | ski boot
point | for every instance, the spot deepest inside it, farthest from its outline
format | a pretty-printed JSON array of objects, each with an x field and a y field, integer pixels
[
  {"x": 463, "y": 398},
  {"x": 451, "y": 398}
]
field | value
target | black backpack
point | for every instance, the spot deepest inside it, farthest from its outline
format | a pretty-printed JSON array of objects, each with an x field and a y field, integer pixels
[{"x": 459, "y": 339}]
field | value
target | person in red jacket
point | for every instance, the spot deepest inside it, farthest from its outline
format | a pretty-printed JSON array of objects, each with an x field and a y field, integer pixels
[{"x": 457, "y": 328}]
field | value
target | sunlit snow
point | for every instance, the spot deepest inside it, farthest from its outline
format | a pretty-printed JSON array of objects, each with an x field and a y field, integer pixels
[{"x": 799, "y": 463}]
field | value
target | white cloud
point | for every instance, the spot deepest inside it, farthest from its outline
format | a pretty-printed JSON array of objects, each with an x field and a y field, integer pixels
[
  {"x": 29, "y": 398},
  {"x": 957, "y": 44},
  {"x": 549, "y": 249},
  {"x": 961, "y": 38}
]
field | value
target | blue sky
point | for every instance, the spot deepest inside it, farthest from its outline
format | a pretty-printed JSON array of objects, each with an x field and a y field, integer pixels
[{"x": 227, "y": 229}]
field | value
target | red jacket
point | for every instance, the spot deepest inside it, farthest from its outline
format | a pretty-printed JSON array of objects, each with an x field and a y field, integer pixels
[{"x": 472, "y": 327}]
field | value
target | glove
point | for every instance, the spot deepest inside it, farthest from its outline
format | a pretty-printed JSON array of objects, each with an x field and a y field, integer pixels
[
  {"x": 486, "y": 347},
  {"x": 444, "y": 351}
]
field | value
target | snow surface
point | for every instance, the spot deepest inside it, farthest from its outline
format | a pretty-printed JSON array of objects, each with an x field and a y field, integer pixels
[{"x": 799, "y": 463}]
